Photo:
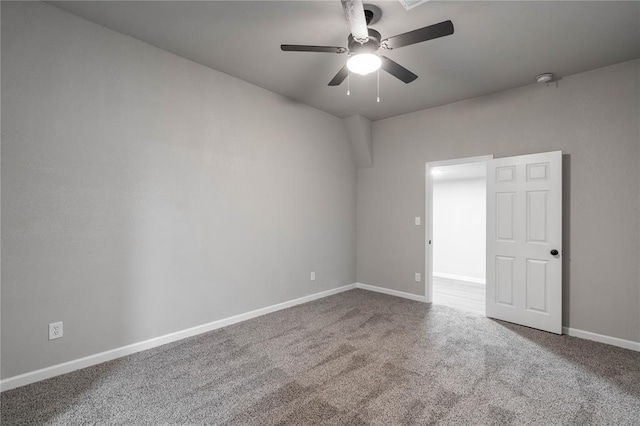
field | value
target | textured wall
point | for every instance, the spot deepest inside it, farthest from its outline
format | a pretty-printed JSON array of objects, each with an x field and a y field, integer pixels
[
  {"x": 143, "y": 194},
  {"x": 592, "y": 117}
]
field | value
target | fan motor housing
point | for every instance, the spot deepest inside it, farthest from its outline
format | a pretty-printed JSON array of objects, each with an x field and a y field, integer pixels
[{"x": 370, "y": 46}]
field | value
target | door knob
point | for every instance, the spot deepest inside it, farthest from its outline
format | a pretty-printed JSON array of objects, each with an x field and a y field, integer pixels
[{"x": 554, "y": 252}]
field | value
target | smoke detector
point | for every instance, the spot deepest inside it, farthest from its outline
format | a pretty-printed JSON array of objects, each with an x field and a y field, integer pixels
[
  {"x": 544, "y": 78},
  {"x": 410, "y": 4}
]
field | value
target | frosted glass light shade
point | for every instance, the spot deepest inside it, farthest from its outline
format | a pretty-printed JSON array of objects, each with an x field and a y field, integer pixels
[{"x": 364, "y": 63}]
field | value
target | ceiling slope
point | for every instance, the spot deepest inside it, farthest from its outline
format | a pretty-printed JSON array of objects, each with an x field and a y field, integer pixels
[{"x": 496, "y": 45}]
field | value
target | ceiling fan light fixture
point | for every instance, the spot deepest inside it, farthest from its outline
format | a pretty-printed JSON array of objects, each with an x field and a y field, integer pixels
[{"x": 364, "y": 63}]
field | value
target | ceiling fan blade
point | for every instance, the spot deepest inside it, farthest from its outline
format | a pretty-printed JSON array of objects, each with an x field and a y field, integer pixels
[
  {"x": 397, "y": 70},
  {"x": 305, "y": 48},
  {"x": 354, "y": 11},
  {"x": 339, "y": 78},
  {"x": 417, "y": 36}
]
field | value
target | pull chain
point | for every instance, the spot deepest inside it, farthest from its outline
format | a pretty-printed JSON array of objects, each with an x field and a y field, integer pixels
[
  {"x": 378, "y": 100},
  {"x": 348, "y": 82}
]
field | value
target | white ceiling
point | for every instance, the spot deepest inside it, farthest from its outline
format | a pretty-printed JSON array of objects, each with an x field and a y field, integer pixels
[
  {"x": 460, "y": 171},
  {"x": 496, "y": 45}
]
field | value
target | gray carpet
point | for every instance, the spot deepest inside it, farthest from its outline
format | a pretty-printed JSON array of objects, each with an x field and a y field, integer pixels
[{"x": 354, "y": 358}]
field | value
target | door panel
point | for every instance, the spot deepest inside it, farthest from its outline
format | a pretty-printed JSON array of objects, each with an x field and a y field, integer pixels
[
  {"x": 537, "y": 285},
  {"x": 505, "y": 203},
  {"x": 504, "y": 280},
  {"x": 537, "y": 212},
  {"x": 524, "y": 224}
]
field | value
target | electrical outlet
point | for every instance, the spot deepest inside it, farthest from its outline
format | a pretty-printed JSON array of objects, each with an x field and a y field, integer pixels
[
  {"x": 417, "y": 221},
  {"x": 313, "y": 276},
  {"x": 55, "y": 330},
  {"x": 418, "y": 278}
]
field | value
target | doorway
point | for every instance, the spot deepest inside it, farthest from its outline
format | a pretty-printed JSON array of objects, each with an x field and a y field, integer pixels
[
  {"x": 456, "y": 233},
  {"x": 523, "y": 238}
]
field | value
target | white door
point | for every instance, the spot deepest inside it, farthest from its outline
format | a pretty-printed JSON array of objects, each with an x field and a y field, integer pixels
[{"x": 524, "y": 240}]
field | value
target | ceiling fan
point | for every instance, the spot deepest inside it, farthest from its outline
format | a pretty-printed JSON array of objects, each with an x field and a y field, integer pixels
[{"x": 364, "y": 42}]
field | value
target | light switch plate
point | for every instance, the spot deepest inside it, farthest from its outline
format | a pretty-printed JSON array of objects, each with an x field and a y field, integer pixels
[{"x": 417, "y": 221}]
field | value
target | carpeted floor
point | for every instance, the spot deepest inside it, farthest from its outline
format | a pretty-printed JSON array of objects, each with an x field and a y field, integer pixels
[{"x": 353, "y": 358}]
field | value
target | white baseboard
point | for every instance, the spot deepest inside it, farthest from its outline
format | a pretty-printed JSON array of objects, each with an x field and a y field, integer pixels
[
  {"x": 459, "y": 278},
  {"x": 88, "y": 361},
  {"x": 627, "y": 344},
  {"x": 390, "y": 292}
]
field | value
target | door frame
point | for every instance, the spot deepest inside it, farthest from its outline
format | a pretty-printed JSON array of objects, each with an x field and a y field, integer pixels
[{"x": 428, "y": 215}]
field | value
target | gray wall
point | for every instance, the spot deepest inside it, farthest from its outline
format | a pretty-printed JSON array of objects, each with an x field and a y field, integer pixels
[
  {"x": 143, "y": 194},
  {"x": 592, "y": 117}
]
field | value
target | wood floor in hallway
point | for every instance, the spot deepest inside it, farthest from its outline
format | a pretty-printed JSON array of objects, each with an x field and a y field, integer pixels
[{"x": 463, "y": 295}]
